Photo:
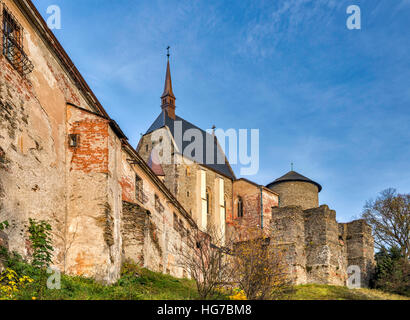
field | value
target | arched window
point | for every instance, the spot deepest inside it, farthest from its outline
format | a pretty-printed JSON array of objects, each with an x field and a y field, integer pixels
[{"x": 240, "y": 207}]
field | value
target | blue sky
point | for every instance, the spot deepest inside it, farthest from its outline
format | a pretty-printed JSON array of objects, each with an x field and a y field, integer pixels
[{"x": 334, "y": 101}]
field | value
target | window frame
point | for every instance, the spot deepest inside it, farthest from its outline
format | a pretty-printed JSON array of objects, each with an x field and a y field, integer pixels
[
  {"x": 240, "y": 207},
  {"x": 13, "y": 42}
]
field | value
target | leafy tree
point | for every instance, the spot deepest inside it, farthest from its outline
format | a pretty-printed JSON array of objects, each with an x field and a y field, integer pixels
[{"x": 389, "y": 216}]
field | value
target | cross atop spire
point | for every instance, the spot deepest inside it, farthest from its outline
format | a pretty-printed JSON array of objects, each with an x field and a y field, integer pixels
[{"x": 168, "y": 98}]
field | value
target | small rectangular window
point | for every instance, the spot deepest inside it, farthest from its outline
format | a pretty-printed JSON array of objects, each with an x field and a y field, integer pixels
[
  {"x": 138, "y": 188},
  {"x": 74, "y": 140}
]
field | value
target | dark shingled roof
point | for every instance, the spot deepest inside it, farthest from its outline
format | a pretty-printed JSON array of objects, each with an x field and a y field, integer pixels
[
  {"x": 294, "y": 176},
  {"x": 164, "y": 120}
]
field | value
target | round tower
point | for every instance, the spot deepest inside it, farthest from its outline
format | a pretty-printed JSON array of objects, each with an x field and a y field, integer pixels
[{"x": 296, "y": 190}]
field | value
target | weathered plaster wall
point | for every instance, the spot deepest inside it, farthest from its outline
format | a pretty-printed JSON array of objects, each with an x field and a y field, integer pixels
[
  {"x": 154, "y": 229},
  {"x": 94, "y": 208},
  {"x": 33, "y": 141}
]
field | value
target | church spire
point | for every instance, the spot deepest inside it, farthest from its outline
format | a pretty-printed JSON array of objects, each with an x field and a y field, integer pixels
[{"x": 168, "y": 98}]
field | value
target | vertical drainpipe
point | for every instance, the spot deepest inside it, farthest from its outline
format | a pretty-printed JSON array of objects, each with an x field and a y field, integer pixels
[{"x": 261, "y": 207}]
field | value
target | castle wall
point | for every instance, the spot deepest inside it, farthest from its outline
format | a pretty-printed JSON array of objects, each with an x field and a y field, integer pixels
[
  {"x": 79, "y": 190},
  {"x": 288, "y": 235},
  {"x": 320, "y": 250},
  {"x": 296, "y": 193},
  {"x": 357, "y": 235},
  {"x": 325, "y": 255},
  {"x": 33, "y": 137},
  {"x": 93, "y": 217}
]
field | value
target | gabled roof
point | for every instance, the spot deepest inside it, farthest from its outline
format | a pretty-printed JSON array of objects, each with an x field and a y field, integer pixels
[
  {"x": 164, "y": 120},
  {"x": 294, "y": 176}
]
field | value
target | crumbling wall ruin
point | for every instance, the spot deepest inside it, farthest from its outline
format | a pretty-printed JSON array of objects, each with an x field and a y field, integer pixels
[
  {"x": 288, "y": 235},
  {"x": 318, "y": 249},
  {"x": 325, "y": 255},
  {"x": 359, "y": 243}
]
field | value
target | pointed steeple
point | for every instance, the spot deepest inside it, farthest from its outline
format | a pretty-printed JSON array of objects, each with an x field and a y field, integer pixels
[
  {"x": 168, "y": 98},
  {"x": 168, "y": 84}
]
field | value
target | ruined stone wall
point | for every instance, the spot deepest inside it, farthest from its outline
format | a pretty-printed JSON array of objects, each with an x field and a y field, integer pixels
[
  {"x": 325, "y": 255},
  {"x": 288, "y": 235},
  {"x": 357, "y": 235},
  {"x": 134, "y": 232},
  {"x": 296, "y": 193},
  {"x": 318, "y": 249}
]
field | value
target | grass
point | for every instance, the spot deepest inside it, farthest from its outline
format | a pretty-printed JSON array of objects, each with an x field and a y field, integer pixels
[
  {"x": 135, "y": 284},
  {"x": 327, "y": 292},
  {"x": 141, "y": 284}
]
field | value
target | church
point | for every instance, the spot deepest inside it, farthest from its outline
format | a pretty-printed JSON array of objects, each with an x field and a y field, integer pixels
[{"x": 63, "y": 159}]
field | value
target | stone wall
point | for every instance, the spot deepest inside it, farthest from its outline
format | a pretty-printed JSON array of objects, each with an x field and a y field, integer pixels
[
  {"x": 357, "y": 235},
  {"x": 325, "y": 255},
  {"x": 154, "y": 228},
  {"x": 318, "y": 249},
  {"x": 288, "y": 235},
  {"x": 135, "y": 220},
  {"x": 297, "y": 193}
]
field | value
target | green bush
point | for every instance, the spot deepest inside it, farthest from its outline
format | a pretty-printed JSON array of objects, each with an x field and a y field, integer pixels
[{"x": 392, "y": 272}]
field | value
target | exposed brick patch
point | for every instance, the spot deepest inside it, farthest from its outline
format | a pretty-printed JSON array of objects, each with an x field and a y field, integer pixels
[
  {"x": 128, "y": 189},
  {"x": 92, "y": 153}
]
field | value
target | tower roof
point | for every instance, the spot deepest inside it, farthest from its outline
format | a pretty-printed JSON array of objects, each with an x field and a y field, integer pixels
[
  {"x": 164, "y": 120},
  {"x": 294, "y": 176},
  {"x": 168, "y": 84}
]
